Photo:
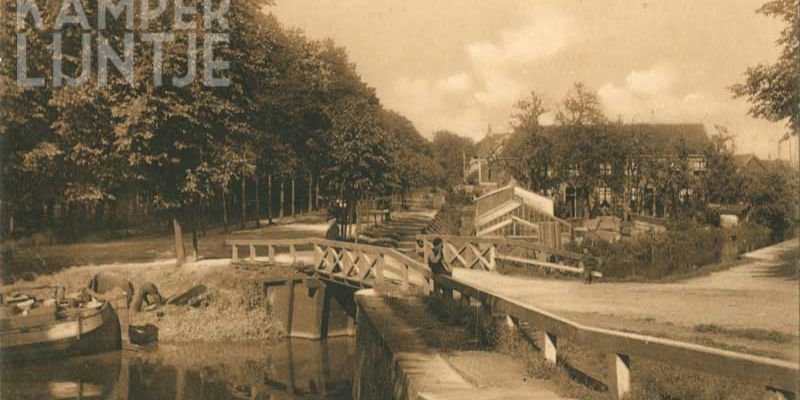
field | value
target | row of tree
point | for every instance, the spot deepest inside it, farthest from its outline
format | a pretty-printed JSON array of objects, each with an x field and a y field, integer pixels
[
  {"x": 295, "y": 113},
  {"x": 585, "y": 156}
]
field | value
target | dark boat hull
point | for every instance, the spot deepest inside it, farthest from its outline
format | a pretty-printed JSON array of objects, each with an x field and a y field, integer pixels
[{"x": 91, "y": 334}]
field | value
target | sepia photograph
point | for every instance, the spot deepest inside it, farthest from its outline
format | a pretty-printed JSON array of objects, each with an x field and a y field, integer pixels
[{"x": 400, "y": 200}]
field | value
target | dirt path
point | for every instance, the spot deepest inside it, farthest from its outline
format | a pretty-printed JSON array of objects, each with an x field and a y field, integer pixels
[{"x": 743, "y": 297}]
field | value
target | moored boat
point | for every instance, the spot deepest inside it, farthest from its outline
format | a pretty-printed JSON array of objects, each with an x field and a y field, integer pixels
[{"x": 49, "y": 329}]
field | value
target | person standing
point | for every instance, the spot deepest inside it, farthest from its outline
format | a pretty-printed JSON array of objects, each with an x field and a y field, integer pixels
[
  {"x": 588, "y": 262},
  {"x": 436, "y": 259}
]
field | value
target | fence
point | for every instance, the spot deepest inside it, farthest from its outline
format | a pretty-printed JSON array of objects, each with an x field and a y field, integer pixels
[{"x": 778, "y": 377}]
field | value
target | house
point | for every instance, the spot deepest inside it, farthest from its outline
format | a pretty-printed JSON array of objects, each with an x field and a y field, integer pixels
[
  {"x": 750, "y": 164},
  {"x": 664, "y": 141},
  {"x": 484, "y": 169}
]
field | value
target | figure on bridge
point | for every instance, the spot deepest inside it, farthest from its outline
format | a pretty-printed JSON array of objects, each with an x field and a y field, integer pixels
[{"x": 436, "y": 259}]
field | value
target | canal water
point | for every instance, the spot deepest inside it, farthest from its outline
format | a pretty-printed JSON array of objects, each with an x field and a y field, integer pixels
[{"x": 293, "y": 369}]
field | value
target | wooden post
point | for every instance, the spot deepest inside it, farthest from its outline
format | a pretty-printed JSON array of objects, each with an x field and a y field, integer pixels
[
  {"x": 252, "y": 252},
  {"x": 293, "y": 252},
  {"x": 619, "y": 375},
  {"x": 317, "y": 256},
  {"x": 272, "y": 254},
  {"x": 465, "y": 301},
  {"x": 234, "y": 252},
  {"x": 404, "y": 271},
  {"x": 492, "y": 262},
  {"x": 550, "y": 342},
  {"x": 180, "y": 251},
  {"x": 379, "y": 271},
  {"x": 283, "y": 198}
]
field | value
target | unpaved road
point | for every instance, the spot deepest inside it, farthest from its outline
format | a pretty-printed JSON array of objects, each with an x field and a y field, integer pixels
[{"x": 746, "y": 296}]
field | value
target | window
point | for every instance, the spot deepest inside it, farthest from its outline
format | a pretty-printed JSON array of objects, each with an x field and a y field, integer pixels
[
  {"x": 697, "y": 165},
  {"x": 603, "y": 195},
  {"x": 605, "y": 169},
  {"x": 631, "y": 167},
  {"x": 686, "y": 194},
  {"x": 574, "y": 171}
]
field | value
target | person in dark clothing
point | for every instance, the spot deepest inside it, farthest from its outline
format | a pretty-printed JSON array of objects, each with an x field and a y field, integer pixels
[
  {"x": 436, "y": 259},
  {"x": 588, "y": 262},
  {"x": 146, "y": 293}
]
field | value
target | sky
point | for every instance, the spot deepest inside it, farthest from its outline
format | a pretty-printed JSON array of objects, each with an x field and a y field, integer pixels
[{"x": 461, "y": 65}]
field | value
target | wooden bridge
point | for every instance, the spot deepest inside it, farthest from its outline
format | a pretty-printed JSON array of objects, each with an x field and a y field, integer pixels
[
  {"x": 373, "y": 266},
  {"x": 357, "y": 265}
]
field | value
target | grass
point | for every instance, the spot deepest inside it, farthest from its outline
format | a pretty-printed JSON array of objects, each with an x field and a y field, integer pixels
[
  {"x": 27, "y": 262},
  {"x": 581, "y": 372},
  {"x": 747, "y": 333}
]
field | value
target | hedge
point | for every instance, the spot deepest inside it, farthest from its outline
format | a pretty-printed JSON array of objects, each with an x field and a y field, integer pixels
[{"x": 677, "y": 251}]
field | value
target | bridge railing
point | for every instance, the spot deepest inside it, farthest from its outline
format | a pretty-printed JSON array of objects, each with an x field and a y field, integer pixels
[
  {"x": 351, "y": 263},
  {"x": 778, "y": 377},
  {"x": 474, "y": 252}
]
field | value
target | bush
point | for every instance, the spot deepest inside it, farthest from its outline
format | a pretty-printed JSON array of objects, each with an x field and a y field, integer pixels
[
  {"x": 661, "y": 254},
  {"x": 750, "y": 236},
  {"x": 682, "y": 249}
]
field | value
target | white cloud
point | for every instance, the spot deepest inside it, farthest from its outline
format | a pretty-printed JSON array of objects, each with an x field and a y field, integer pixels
[
  {"x": 652, "y": 94},
  {"x": 657, "y": 79},
  {"x": 466, "y": 101},
  {"x": 497, "y": 64},
  {"x": 543, "y": 36},
  {"x": 455, "y": 83}
]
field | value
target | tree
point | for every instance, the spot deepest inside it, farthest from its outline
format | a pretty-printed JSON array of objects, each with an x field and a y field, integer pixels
[
  {"x": 773, "y": 90},
  {"x": 721, "y": 183},
  {"x": 772, "y": 197},
  {"x": 581, "y": 106},
  {"x": 450, "y": 151},
  {"x": 528, "y": 153},
  {"x": 411, "y": 153},
  {"x": 356, "y": 156}
]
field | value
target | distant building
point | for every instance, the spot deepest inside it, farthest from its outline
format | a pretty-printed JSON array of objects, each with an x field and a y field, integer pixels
[
  {"x": 750, "y": 164},
  {"x": 487, "y": 168}
]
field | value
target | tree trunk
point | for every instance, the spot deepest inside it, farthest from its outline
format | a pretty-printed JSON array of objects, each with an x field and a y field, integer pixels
[
  {"x": 310, "y": 191},
  {"x": 180, "y": 251},
  {"x": 195, "y": 245},
  {"x": 258, "y": 205},
  {"x": 204, "y": 218},
  {"x": 316, "y": 198},
  {"x": 269, "y": 199},
  {"x": 293, "y": 198},
  {"x": 358, "y": 220},
  {"x": 244, "y": 201},
  {"x": 225, "y": 211},
  {"x": 282, "y": 200}
]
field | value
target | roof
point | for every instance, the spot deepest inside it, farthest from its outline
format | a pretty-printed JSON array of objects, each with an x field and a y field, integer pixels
[
  {"x": 659, "y": 136},
  {"x": 668, "y": 136},
  {"x": 751, "y": 163}
]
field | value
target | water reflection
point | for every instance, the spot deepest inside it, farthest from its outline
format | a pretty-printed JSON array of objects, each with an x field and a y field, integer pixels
[{"x": 292, "y": 369}]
